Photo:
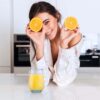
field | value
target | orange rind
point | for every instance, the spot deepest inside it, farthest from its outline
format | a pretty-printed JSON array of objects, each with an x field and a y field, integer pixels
[
  {"x": 36, "y": 24},
  {"x": 71, "y": 23}
]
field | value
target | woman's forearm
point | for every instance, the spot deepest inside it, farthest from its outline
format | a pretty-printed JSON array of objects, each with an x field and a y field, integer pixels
[{"x": 39, "y": 52}]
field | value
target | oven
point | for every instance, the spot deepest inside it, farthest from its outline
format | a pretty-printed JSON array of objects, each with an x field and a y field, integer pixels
[{"x": 21, "y": 51}]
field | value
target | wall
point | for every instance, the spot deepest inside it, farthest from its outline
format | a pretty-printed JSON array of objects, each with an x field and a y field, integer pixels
[
  {"x": 87, "y": 13},
  {"x": 21, "y": 12},
  {"x": 5, "y": 31}
]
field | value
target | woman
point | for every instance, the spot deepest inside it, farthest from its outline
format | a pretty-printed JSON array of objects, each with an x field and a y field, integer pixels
[{"x": 54, "y": 49}]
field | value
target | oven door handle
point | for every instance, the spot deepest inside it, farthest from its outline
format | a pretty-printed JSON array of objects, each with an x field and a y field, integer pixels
[{"x": 22, "y": 46}]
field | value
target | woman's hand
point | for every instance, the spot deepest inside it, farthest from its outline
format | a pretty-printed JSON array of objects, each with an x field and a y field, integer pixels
[
  {"x": 38, "y": 39},
  {"x": 67, "y": 36}
]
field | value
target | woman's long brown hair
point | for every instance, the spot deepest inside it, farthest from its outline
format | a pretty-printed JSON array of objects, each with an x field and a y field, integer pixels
[{"x": 40, "y": 7}]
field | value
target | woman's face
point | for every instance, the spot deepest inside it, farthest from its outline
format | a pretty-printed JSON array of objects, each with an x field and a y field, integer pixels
[{"x": 50, "y": 25}]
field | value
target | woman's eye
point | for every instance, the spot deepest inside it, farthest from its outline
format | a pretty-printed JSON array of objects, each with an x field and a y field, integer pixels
[{"x": 46, "y": 22}]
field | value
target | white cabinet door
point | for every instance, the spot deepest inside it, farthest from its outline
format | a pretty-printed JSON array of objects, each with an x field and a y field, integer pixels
[
  {"x": 21, "y": 12},
  {"x": 5, "y": 32}
]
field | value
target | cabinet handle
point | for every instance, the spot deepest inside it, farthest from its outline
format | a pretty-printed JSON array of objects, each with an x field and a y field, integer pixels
[
  {"x": 22, "y": 45},
  {"x": 85, "y": 60},
  {"x": 95, "y": 57}
]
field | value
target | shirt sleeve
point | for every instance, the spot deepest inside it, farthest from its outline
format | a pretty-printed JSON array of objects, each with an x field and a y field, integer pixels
[
  {"x": 39, "y": 65},
  {"x": 67, "y": 65}
]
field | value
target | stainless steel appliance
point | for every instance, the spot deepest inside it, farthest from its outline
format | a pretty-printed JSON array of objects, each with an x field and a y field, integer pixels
[{"x": 21, "y": 51}]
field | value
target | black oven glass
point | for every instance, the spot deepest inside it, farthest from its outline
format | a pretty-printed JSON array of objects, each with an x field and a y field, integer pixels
[{"x": 21, "y": 54}]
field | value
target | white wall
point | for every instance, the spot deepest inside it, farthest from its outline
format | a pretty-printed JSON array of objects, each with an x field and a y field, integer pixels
[
  {"x": 5, "y": 30},
  {"x": 87, "y": 13},
  {"x": 21, "y": 12}
]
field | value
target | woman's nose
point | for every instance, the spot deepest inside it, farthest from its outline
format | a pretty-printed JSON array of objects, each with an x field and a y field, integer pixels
[{"x": 46, "y": 28}]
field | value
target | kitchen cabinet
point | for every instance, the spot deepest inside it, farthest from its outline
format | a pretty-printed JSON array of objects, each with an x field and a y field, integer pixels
[
  {"x": 5, "y": 31},
  {"x": 20, "y": 13}
]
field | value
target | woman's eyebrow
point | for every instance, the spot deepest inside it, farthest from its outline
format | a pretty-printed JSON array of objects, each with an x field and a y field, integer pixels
[{"x": 45, "y": 20}]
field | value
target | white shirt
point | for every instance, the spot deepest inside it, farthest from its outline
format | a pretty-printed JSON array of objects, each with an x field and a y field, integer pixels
[{"x": 65, "y": 69}]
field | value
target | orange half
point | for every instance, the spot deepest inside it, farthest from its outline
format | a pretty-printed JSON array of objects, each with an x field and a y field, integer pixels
[
  {"x": 36, "y": 24},
  {"x": 71, "y": 23}
]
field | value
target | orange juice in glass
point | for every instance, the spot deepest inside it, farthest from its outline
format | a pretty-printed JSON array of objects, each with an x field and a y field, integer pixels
[{"x": 36, "y": 82}]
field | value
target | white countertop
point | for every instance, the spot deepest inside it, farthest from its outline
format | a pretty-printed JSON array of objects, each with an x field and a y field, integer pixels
[{"x": 85, "y": 87}]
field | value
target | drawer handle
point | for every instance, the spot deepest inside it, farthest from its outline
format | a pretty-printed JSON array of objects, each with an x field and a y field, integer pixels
[
  {"x": 22, "y": 46},
  {"x": 95, "y": 57}
]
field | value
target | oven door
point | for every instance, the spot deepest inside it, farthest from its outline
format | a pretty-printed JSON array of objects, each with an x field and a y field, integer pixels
[{"x": 21, "y": 55}]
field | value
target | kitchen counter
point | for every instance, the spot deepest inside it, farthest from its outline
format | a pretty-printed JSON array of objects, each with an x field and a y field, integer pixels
[{"x": 85, "y": 87}]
